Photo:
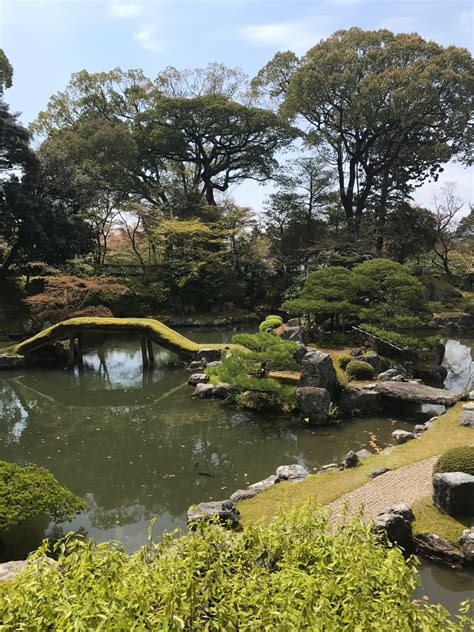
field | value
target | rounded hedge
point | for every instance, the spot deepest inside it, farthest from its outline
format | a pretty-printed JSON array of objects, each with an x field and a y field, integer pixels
[
  {"x": 360, "y": 370},
  {"x": 456, "y": 460},
  {"x": 344, "y": 360},
  {"x": 270, "y": 322}
]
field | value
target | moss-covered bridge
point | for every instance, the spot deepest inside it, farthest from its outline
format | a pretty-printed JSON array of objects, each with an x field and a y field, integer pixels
[{"x": 148, "y": 330}]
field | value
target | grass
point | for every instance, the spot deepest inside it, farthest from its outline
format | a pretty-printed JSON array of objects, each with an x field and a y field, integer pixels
[
  {"x": 153, "y": 329},
  {"x": 429, "y": 519},
  {"x": 325, "y": 487}
]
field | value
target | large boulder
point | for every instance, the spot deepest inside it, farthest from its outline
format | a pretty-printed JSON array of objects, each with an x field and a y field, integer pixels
[
  {"x": 222, "y": 390},
  {"x": 413, "y": 392},
  {"x": 433, "y": 375},
  {"x": 453, "y": 493},
  {"x": 300, "y": 353},
  {"x": 225, "y": 511},
  {"x": 395, "y": 524},
  {"x": 373, "y": 359},
  {"x": 203, "y": 391},
  {"x": 313, "y": 402},
  {"x": 435, "y": 548},
  {"x": 296, "y": 334},
  {"x": 402, "y": 436},
  {"x": 318, "y": 370},
  {"x": 360, "y": 400},
  {"x": 351, "y": 460},
  {"x": 198, "y": 378},
  {"x": 9, "y": 570},
  {"x": 292, "y": 473}
]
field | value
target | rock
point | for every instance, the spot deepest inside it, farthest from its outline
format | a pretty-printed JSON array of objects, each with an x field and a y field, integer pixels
[
  {"x": 420, "y": 429},
  {"x": 466, "y": 417},
  {"x": 318, "y": 370},
  {"x": 388, "y": 375},
  {"x": 436, "y": 549},
  {"x": 181, "y": 364},
  {"x": 395, "y": 524},
  {"x": 388, "y": 450},
  {"x": 293, "y": 322},
  {"x": 10, "y": 361},
  {"x": 470, "y": 396},
  {"x": 300, "y": 353},
  {"x": 225, "y": 510},
  {"x": 9, "y": 570},
  {"x": 292, "y": 473},
  {"x": 195, "y": 365},
  {"x": 198, "y": 378},
  {"x": 203, "y": 391},
  {"x": 362, "y": 454},
  {"x": 261, "y": 486},
  {"x": 415, "y": 393},
  {"x": 254, "y": 400},
  {"x": 453, "y": 493},
  {"x": 402, "y": 436},
  {"x": 243, "y": 494},
  {"x": 373, "y": 359},
  {"x": 222, "y": 390},
  {"x": 358, "y": 351},
  {"x": 210, "y": 355},
  {"x": 313, "y": 402},
  {"x": 354, "y": 398},
  {"x": 459, "y": 321},
  {"x": 351, "y": 460},
  {"x": 379, "y": 472},
  {"x": 466, "y": 542},
  {"x": 296, "y": 334},
  {"x": 434, "y": 374},
  {"x": 329, "y": 466}
]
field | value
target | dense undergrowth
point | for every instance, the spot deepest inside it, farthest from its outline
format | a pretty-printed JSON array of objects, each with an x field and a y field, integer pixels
[{"x": 296, "y": 574}]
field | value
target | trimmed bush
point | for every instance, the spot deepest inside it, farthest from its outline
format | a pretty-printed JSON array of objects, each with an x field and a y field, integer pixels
[
  {"x": 456, "y": 460},
  {"x": 344, "y": 360},
  {"x": 299, "y": 573},
  {"x": 270, "y": 322},
  {"x": 360, "y": 370}
]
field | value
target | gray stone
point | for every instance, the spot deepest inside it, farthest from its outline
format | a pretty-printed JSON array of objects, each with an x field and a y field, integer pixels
[
  {"x": 402, "y": 436},
  {"x": 300, "y": 353},
  {"x": 313, "y": 402},
  {"x": 416, "y": 393},
  {"x": 435, "y": 374},
  {"x": 292, "y": 473},
  {"x": 225, "y": 511},
  {"x": 420, "y": 429},
  {"x": 453, "y": 493},
  {"x": 466, "y": 417},
  {"x": 261, "y": 486},
  {"x": 395, "y": 524},
  {"x": 195, "y": 365},
  {"x": 210, "y": 355},
  {"x": 329, "y": 466},
  {"x": 362, "y": 454},
  {"x": 296, "y": 334},
  {"x": 203, "y": 391},
  {"x": 9, "y": 570},
  {"x": 215, "y": 363},
  {"x": 243, "y": 494},
  {"x": 293, "y": 322},
  {"x": 318, "y": 370},
  {"x": 470, "y": 396},
  {"x": 379, "y": 472},
  {"x": 222, "y": 390},
  {"x": 9, "y": 361},
  {"x": 351, "y": 460},
  {"x": 436, "y": 549},
  {"x": 466, "y": 542},
  {"x": 387, "y": 375},
  {"x": 360, "y": 399},
  {"x": 198, "y": 378}
]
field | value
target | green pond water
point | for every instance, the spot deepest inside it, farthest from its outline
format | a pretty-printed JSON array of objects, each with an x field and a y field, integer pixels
[{"x": 136, "y": 445}]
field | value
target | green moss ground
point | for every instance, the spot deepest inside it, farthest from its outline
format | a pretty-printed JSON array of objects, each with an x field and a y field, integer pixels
[
  {"x": 429, "y": 518},
  {"x": 325, "y": 487}
]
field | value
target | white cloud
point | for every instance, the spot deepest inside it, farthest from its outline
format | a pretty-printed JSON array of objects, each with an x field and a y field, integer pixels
[
  {"x": 126, "y": 10},
  {"x": 467, "y": 20},
  {"x": 297, "y": 35},
  {"x": 148, "y": 40}
]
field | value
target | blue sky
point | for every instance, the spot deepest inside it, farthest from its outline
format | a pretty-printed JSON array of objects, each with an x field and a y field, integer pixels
[{"x": 48, "y": 40}]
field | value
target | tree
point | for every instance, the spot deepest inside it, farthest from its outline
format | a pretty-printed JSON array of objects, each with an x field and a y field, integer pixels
[
  {"x": 446, "y": 207},
  {"x": 409, "y": 231},
  {"x": 388, "y": 109}
]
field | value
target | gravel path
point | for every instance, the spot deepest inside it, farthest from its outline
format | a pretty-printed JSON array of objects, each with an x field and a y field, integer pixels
[{"x": 405, "y": 485}]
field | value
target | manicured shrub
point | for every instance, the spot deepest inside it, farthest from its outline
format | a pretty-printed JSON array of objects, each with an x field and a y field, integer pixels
[
  {"x": 344, "y": 360},
  {"x": 459, "y": 459},
  {"x": 360, "y": 370},
  {"x": 299, "y": 573},
  {"x": 270, "y": 322}
]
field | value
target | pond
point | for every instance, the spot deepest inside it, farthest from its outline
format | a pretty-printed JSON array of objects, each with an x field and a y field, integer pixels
[{"x": 136, "y": 444}]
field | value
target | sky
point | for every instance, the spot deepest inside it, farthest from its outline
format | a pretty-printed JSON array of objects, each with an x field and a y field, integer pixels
[{"x": 47, "y": 40}]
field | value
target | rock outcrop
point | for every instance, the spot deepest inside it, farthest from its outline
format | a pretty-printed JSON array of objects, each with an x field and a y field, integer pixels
[
  {"x": 360, "y": 401},
  {"x": 435, "y": 548},
  {"x": 313, "y": 402},
  {"x": 395, "y": 524},
  {"x": 317, "y": 370},
  {"x": 453, "y": 493}
]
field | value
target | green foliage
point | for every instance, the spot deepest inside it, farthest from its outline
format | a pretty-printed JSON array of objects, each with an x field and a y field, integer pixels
[
  {"x": 360, "y": 370},
  {"x": 247, "y": 369},
  {"x": 459, "y": 459},
  {"x": 344, "y": 360},
  {"x": 417, "y": 342},
  {"x": 270, "y": 322},
  {"x": 298, "y": 573},
  {"x": 27, "y": 491}
]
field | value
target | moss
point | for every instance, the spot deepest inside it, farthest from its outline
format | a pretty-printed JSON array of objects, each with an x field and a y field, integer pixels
[
  {"x": 429, "y": 519},
  {"x": 344, "y": 360},
  {"x": 326, "y": 487},
  {"x": 153, "y": 329},
  {"x": 360, "y": 370},
  {"x": 270, "y": 322},
  {"x": 459, "y": 459}
]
